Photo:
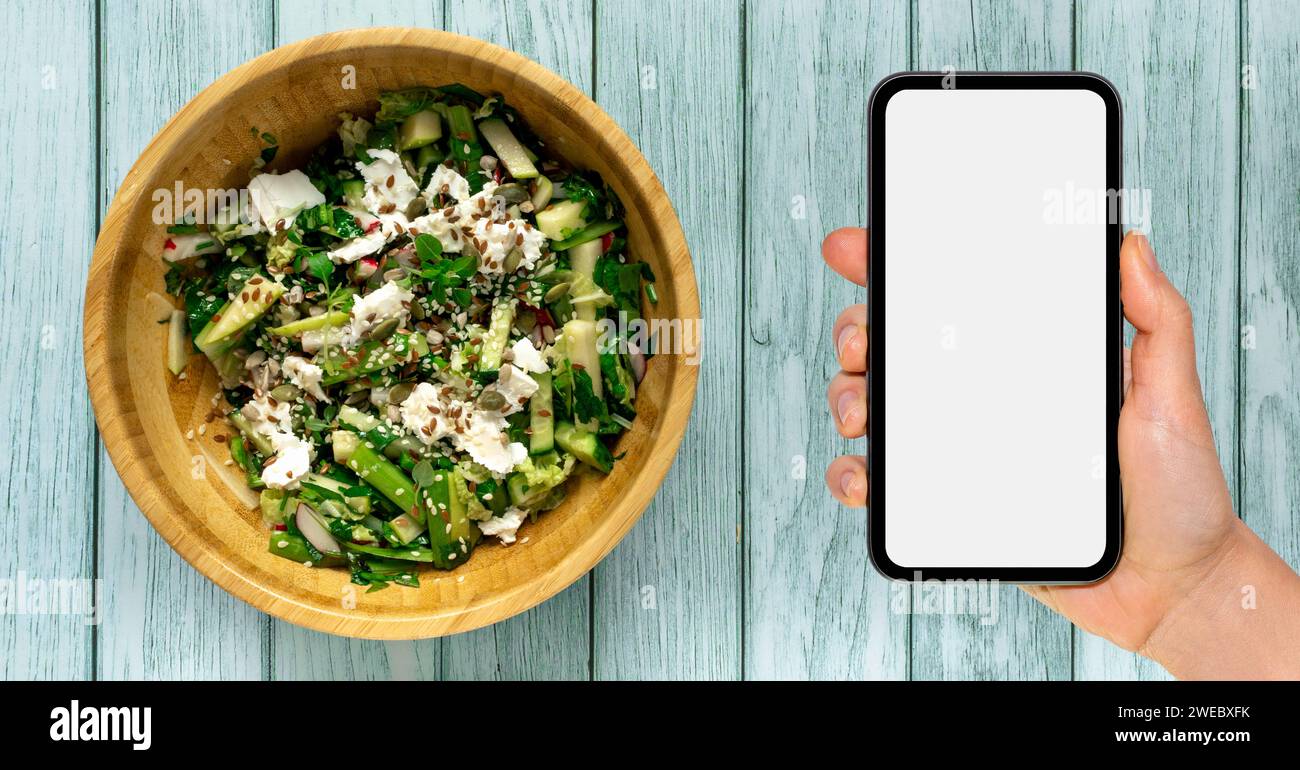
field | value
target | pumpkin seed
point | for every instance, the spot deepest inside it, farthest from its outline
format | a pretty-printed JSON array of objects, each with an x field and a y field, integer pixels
[
  {"x": 285, "y": 392},
  {"x": 557, "y": 292},
  {"x": 400, "y": 392},
  {"x": 513, "y": 259},
  {"x": 491, "y": 400},
  {"x": 384, "y": 330},
  {"x": 358, "y": 398}
]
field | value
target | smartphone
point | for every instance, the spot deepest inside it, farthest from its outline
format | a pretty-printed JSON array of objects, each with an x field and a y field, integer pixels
[{"x": 995, "y": 371}]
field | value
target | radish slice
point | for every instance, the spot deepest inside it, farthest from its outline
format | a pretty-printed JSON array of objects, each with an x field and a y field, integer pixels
[
  {"x": 315, "y": 533},
  {"x": 637, "y": 360}
]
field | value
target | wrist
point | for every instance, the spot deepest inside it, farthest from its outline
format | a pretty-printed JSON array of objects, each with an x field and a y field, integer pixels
[{"x": 1237, "y": 620}]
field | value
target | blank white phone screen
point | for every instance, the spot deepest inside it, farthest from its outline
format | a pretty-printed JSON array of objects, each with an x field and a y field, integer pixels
[{"x": 995, "y": 328}]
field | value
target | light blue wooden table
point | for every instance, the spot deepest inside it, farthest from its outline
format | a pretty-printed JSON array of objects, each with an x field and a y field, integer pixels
[{"x": 752, "y": 114}]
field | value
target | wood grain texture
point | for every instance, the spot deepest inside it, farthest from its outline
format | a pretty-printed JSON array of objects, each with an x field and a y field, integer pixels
[
  {"x": 161, "y": 618},
  {"x": 551, "y": 641},
  {"x": 814, "y": 606},
  {"x": 1175, "y": 66},
  {"x": 1270, "y": 259},
  {"x": 1027, "y": 641},
  {"x": 47, "y": 462},
  {"x": 667, "y": 601},
  {"x": 296, "y": 652},
  {"x": 299, "y": 19}
]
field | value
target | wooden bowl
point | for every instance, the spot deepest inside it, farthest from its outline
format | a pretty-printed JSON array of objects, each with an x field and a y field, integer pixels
[{"x": 202, "y": 508}]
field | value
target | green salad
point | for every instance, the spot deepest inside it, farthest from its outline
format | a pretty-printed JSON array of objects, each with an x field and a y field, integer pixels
[{"x": 410, "y": 333}]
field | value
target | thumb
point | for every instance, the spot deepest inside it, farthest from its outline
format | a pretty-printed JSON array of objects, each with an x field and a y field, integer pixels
[{"x": 1165, "y": 385}]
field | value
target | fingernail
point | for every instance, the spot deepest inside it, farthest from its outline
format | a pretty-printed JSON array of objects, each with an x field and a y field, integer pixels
[
  {"x": 846, "y": 336},
  {"x": 849, "y": 483},
  {"x": 1148, "y": 254},
  {"x": 847, "y": 407}
]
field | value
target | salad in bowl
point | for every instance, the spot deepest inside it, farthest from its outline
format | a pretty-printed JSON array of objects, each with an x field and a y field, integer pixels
[{"x": 416, "y": 333}]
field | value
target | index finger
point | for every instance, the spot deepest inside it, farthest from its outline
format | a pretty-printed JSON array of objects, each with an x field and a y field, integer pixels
[{"x": 845, "y": 250}]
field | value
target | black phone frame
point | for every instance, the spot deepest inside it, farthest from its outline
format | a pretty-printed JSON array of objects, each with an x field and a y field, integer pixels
[{"x": 876, "y": 282}]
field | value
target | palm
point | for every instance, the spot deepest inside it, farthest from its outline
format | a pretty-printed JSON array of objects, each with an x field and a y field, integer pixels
[{"x": 1177, "y": 515}]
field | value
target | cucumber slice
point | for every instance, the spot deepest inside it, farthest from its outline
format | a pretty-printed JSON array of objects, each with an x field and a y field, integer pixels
[
  {"x": 354, "y": 192},
  {"x": 420, "y": 129},
  {"x": 542, "y": 193},
  {"x": 542, "y": 438},
  {"x": 332, "y": 318},
  {"x": 498, "y": 334},
  {"x": 178, "y": 352},
  {"x": 428, "y": 157},
  {"x": 508, "y": 149},
  {"x": 583, "y": 445},
  {"x": 360, "y": 503},
  {"x": 561, "y": 219},
  {"x": 583, "y": 257},
  {"x": 580, "y": 341},
  {"x": 253, "y": 300},
  {"x": 587, "y": 234}
]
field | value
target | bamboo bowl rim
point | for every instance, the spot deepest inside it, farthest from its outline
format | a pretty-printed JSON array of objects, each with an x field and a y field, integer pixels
[{"x": 135, "y": 455}]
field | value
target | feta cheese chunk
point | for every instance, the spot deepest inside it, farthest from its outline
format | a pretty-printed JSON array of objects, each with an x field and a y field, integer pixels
[
  {"x": 505, "y": 526},
  {"x": 305, "y": 375},
  {"x": 426, "y": 415},
  {"x": 515, "y": 386},
  {"x": 388, "y": 301},
  {"x": 527, "y": 357},
  {"x": 292, "y": 461},
  {"x": 293, "y": 455},
  {"x": 280, "y": 197},
  {"x": 446, "y": 181},
  {"x": 487, "y": 442},
  {"x": 430, "y": 417},
  {"x": 353, "y": 249},
  {"x": 481, "y": 218},
  {"x": 496, "y": 240},
  {"x": 388, "y": 187}
]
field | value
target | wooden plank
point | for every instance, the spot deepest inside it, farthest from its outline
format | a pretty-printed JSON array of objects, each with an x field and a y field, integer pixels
[
  {"x": 1176, "y": 65},
  {"x": 1027, "y": 641},
  {"x": 1270, "y": 211},
  {"x": 161, "y": 618},
  {"x": 667, "y": 601},
  {"x": 814, "y": 607},
  {"x": 553, "y": 640},
  {"x": 47, "y": 465},
  {"x": 298, "y": 19},
  {"x": 299, "y": 653}
]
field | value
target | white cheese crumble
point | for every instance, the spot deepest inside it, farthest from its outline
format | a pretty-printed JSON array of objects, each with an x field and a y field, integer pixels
[
  {"x": 505, "y": 526},
  {"x": 527, "y": 357},
  {"x": 426, "y": 415},
  {"x": 515, "y": 386},
  {"x": 305, "y": 375},
  {"x": 382, "y": 197},
  {"x": 280, "y": 197},
  {"x": 482, "y": 434},
  {"x": 355, "y": 248},
  {"x": 388, "y": 301},
  {"x": 456, "y": 185},
  {"x": 292, "y": 454},
  {"x": 292, "y": 462},
  {"x": 480, "y": 218}
]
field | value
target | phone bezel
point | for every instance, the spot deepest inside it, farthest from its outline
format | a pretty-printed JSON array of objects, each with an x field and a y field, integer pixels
[{"x": 876, "y": 283}]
